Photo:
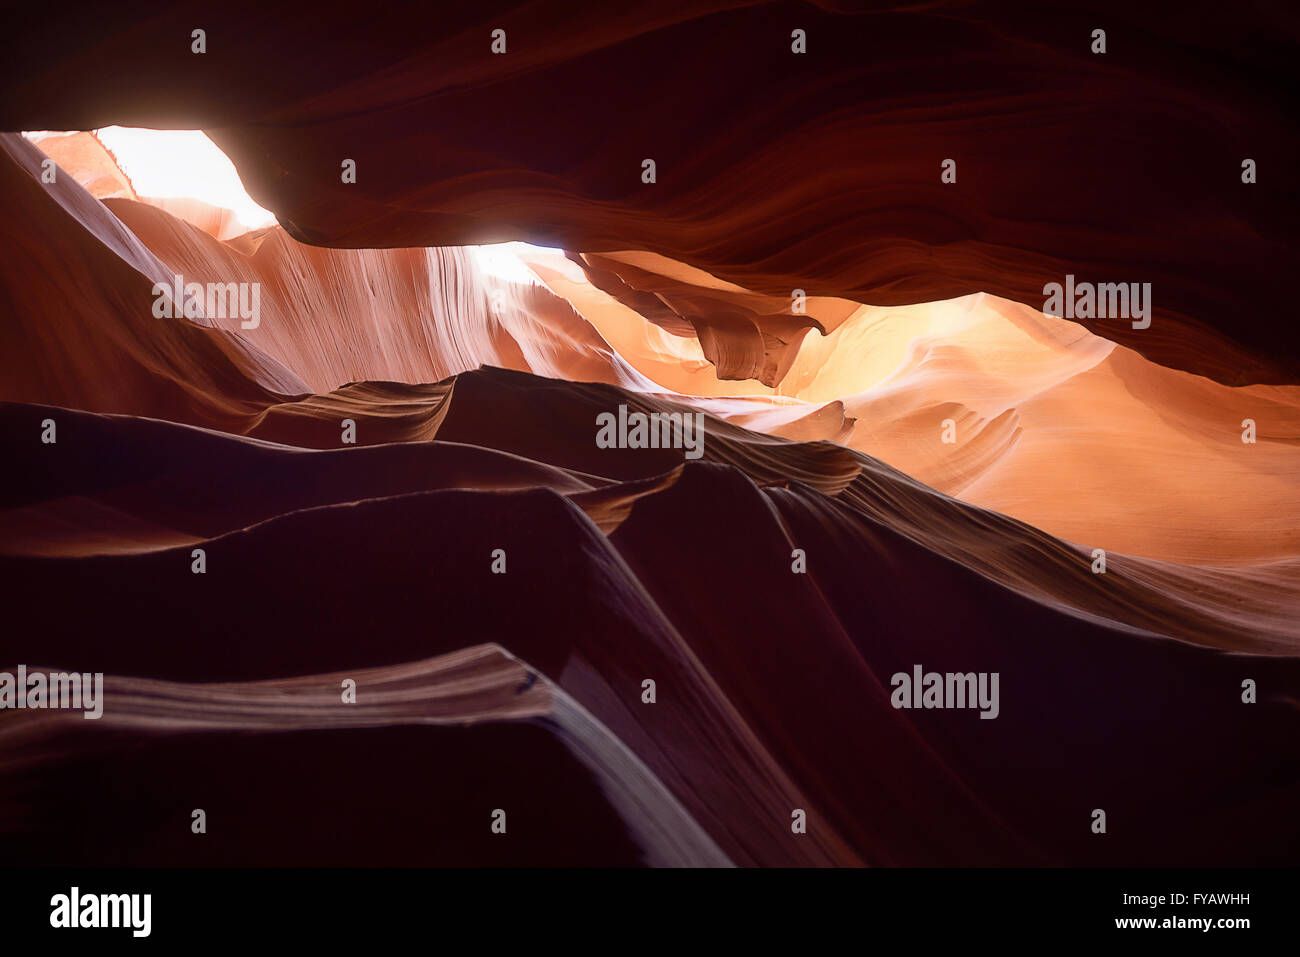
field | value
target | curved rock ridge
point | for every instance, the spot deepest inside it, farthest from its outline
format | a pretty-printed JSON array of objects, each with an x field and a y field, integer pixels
[
  {"x": 817, "y": 170},
  {"x": 460, "y": 689},
  {"x": 764, "y": 678},
  {"x": 65, "y": 506}
]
